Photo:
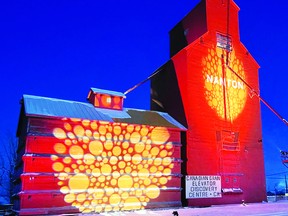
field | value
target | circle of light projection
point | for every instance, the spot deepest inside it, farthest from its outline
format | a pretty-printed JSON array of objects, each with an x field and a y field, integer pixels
[
  {"x": 224, "y": 91},
  {"x": 104, "y": 166}
]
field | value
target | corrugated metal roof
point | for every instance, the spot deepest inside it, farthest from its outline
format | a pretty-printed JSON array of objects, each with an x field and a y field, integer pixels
[
  {"x": 172, "y": 120},
  {"x": 121, "y": 114},
  {"x": 51, "y": 107},
  {"x": 152, "y": 118},
  {"x": 103, "y": 91},
  {"x": 43, "y": 106}
]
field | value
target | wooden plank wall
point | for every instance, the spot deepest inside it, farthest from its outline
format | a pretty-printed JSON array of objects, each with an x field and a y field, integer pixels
[{"x": 74, "y": 165}]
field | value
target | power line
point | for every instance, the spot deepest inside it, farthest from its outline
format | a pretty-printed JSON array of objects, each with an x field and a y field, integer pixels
[
  {"x": 260, "y": 98},
  {"x": 254, "y": 92},
  {"x": 142, "y": 82},
  {"x": 275, "y": 178},
  {"x": 281, "y": 173}
]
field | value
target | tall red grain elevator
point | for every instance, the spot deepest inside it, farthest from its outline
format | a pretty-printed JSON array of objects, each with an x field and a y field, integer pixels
[{"x": 204, "y": 87}]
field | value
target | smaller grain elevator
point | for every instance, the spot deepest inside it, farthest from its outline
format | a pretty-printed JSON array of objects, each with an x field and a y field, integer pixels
[
  {"x": 223, "y": 155},
  {"x": 95, "y": 157}
]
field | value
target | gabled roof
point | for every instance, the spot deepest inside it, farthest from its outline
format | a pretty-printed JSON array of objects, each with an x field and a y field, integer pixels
[
  {"x": 57, "y": 108},
  {"x": 51, "y": 107},
  {"x": 108, "y": 92}
]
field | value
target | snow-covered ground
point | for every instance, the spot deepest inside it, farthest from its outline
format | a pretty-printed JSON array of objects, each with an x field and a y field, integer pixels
[{"x": 279, "y": 208}]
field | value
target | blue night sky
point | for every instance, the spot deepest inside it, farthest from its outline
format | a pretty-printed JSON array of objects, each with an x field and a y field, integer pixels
[{"x": 62, "y": 48}]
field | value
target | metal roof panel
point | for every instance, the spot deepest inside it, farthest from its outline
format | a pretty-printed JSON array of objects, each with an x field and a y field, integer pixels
[
  {"x": 121, "y": 114},
  {"x": 51, "y": 107},
  {"x": 103, "y": 91},
  {"x": 44, "y": 106},
  {"x": 153, "y": 118}
]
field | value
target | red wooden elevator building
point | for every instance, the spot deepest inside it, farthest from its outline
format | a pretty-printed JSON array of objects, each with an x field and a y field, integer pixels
[
  {"x": 76, "y": 157},
  {"x": 206, "y": 86}
]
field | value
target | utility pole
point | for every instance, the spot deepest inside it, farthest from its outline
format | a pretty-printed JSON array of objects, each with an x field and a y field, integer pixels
[{"x": 286, "y": 192}]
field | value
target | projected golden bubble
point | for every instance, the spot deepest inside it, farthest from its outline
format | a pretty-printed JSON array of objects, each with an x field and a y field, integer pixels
[
  {"x": 111, "y": 167},
  {"x": 225, "y": 93}
]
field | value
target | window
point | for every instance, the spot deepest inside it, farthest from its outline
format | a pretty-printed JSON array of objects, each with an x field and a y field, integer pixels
[
  {"x": 228, "y": 140},
  {"x": 224, "y": 42}
]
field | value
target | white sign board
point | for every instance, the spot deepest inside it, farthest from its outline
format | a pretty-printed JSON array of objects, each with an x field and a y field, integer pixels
[{"x": 203, "y": 186}]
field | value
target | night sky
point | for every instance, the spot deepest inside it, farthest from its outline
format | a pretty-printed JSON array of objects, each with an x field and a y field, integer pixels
[{"x": 62, "y": 48}]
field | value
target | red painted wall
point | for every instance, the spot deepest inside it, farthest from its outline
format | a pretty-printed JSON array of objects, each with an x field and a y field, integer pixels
[
  {"x": 75, "y": 165},
  {"x": 224, "y": 126}
]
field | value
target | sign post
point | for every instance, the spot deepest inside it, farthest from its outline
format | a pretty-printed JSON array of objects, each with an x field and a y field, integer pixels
[{"x": 203, "y": 186}]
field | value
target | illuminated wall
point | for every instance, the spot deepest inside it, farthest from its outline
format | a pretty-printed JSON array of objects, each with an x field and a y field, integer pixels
[
  {"x": 225, "y": 93},
  {"x": 76, "y": 165},
  {"x": 222, "y": 116},
  {"x": 106, "y": 99}
]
